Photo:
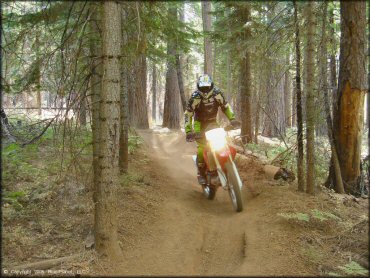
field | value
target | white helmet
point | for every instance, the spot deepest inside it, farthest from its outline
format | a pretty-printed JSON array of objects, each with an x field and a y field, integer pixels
[{"x": 205, "y": 83}]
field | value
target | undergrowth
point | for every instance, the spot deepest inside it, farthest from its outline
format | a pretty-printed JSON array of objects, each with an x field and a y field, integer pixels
[
  {"x": 282, "y": 156},
  {"x": 63, "y": 151}
]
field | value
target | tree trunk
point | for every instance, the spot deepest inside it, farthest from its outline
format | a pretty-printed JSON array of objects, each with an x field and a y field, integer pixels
[
  {"x": 38, "y": 73},
  {"x": 333, "y": 70},
  {"x": 154, "y": 94},
  {"x": 140, "y": 107},
  {"x": 95, "y": 85},
  {"x": 137, "y": 97},
  {"x": 245, "y": 91},
  {"x": 261, "y": 93},
  {"x": 310, "y": 100},
  {"x": 300, "y": 158},
  {"x": 228, "y": 81},
  {"x": 214, "y": 55},
  {"x": 324, "y": 89},
  {"x": 82, "y": 109},
  {"x": 179, "y": 66},
  {"x": 270, "y": 102},
  {"x": 124, "y": 125},
  {"x": 287, "y": 93},
  {"x": 274, "y": 119},
  {"x": 181, "y": 84},
  {"x": 106, "y": 221},
  {"x": 207, "y": 27},
  {"x": 171, "y": 109},
  {"x": 321, "y": 126},
  {"x": 348, "y": 110}
]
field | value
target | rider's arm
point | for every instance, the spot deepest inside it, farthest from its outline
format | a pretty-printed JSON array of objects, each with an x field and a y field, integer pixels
[
  {"x": 192, "y": 104},
  {"x": 225, "y": 106},
  {"x": 188, "y": 120}
]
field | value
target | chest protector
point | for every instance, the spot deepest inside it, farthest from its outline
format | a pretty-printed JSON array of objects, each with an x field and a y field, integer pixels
[{"x": 207, "y": 110}]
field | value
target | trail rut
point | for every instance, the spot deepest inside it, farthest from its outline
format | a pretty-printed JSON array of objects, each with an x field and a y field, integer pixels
[{"x": 191, "y": 235}]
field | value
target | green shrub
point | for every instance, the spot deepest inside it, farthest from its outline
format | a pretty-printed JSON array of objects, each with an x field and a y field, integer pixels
[
  {"x": 354, "y": 268},
  {"x": 134, "y": 141},
  {"x": 13, "y": 198}
]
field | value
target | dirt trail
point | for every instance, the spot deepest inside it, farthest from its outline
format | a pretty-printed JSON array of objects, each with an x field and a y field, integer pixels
[{"x": 190, "y": 235}]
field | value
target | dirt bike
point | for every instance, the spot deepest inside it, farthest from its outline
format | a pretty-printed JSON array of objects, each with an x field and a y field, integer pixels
[{"x": 221, "y": 170}]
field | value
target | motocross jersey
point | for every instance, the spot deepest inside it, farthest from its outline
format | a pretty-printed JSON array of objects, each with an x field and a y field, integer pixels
[{"x": 204, "y": 109}]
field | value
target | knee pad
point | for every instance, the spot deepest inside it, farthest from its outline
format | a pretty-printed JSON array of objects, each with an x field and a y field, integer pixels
[{"x": 201, "y": 164}]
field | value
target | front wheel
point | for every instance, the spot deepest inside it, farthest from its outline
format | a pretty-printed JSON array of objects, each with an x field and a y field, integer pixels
[
  {"x": 209, "y": 192},
  {"x": 235, "y": 185}
]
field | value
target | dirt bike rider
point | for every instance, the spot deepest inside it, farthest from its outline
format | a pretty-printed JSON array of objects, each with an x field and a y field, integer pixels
[{"x": 203, "y": 106}]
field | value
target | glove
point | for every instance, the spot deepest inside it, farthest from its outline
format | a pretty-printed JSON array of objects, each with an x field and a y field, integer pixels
[
  {"x": 189, "y": 137},
  {"x": 235, "y": 123}
]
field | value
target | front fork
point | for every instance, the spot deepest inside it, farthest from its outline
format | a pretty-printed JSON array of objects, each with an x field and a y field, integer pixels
[{"x": 221, "y": 174}]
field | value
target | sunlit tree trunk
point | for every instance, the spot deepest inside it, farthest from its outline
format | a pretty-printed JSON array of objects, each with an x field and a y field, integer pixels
[
  {"x": 349, "y": 104},
  {"x": 106, "y": 221}
]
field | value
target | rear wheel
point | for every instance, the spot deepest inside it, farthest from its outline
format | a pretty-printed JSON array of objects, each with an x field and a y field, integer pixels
[{"x": 234, "y": 186}]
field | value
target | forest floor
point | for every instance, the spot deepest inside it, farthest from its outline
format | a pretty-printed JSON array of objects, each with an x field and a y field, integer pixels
[{"x": 167, "y": 227}]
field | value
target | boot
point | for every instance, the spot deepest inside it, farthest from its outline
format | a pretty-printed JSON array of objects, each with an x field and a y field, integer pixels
[
  {"x": 201, "y": 173},
  {"x": 215, "y": 180}
]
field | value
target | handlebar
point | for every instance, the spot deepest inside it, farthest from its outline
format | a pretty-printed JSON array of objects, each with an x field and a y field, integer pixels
[{"x": 231, "y": 127}]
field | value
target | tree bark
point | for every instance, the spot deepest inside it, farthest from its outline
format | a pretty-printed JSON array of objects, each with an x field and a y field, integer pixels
[
  {"x": 287, "y": 93},
  {"x": 207, "y": 27},
  {"x": 95, "y": 85},
  {"x": 179, "y": 67},
  {"x": 245, "y": 91},
  {"x": 171, "y": 109},
  {"x": 310, "y": 100},
  {"x": 274, "y": 119},
  {"x": 324, "y": 88},
  {"x": 138, "y": 112},
  {"x": 180, "y": 81},
  {"x": 38, "y": 73},
  {"x": 348, "y": 109},
  {"x": 333, "y": 69},
  {"x": 124, "y": 125},
  {"x": 321, "y": 125},
  {"x": 82, "y": 109},
  {"x": 300, "y": 158},
  {"x": 106, "y": 221},
  {"x": 228, "y": 76},
  {"x": 154, "y": 94}
]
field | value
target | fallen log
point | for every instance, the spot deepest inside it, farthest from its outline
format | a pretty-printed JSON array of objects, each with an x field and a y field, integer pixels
[
  {"x": 276, "y": 173},
  {"x": 46, "y": 264}
]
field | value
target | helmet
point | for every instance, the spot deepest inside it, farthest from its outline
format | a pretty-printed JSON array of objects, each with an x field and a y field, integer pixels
[{"x": 205, "y": 83}]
